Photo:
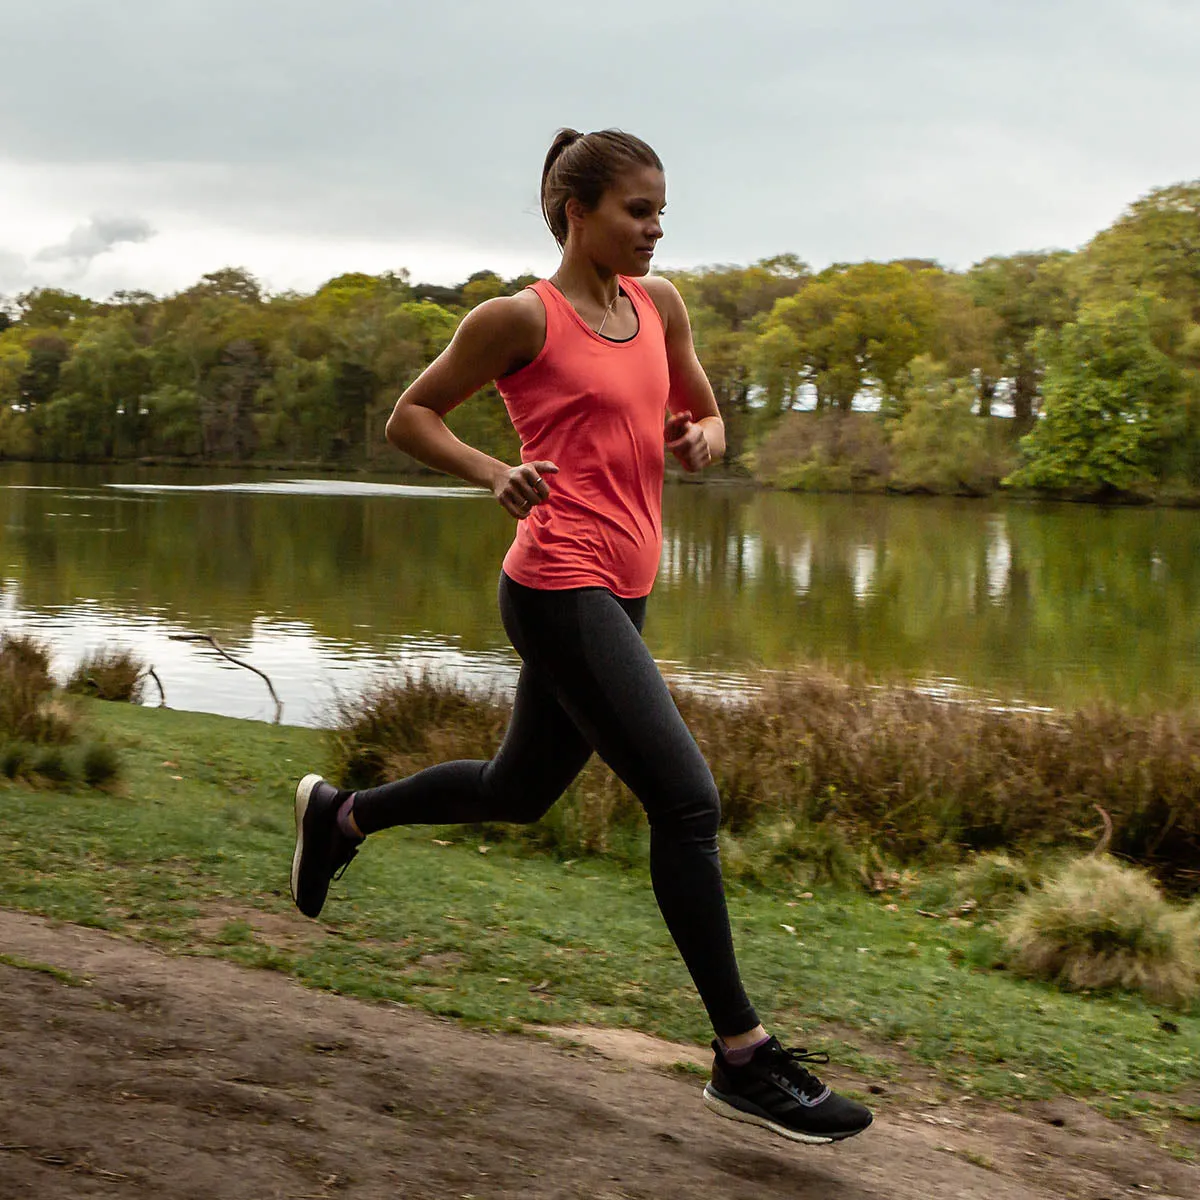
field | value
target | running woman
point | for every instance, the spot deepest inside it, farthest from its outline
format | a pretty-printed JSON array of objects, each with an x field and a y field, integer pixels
[{"x": 597, "y": 370}]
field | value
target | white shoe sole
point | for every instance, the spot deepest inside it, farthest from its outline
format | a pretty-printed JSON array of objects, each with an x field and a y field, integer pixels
[
  {"x": 722, "y": 1109},
  {"x": 304, "y": 790}
]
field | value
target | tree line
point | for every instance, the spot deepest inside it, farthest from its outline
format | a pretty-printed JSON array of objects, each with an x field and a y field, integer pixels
[{"x": 1073, "y": 372}]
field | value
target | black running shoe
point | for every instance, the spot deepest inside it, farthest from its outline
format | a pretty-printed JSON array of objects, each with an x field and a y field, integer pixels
[
  {"x": 775, "y": 1091},
  {"x": 323, "y": 851}
]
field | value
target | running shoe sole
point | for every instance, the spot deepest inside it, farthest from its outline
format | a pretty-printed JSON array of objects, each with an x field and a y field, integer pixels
[
  {"x": 724, "y": 1109},
  {"x": 304, "y": 790}
]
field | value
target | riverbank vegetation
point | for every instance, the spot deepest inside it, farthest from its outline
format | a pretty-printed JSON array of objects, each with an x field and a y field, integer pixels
[
  {"x": 43, "y": 737},
  {"x": 192, "y": 854},
  {"x": 826, "y": 778},
  {"x": 1066, "y": 373}
]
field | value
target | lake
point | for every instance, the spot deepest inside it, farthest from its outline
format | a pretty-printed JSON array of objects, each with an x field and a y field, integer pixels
[{"x": 327, "y": 585}]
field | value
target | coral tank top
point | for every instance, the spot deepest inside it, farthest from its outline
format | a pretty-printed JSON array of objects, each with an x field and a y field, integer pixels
[{"x": 595, "y": 408}]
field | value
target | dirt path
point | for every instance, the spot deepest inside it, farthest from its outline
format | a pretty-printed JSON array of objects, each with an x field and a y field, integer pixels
[{"x": 146, "y": 1075}]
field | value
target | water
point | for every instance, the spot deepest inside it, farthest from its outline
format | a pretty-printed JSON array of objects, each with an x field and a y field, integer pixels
[{"x": 327, "y": 585}]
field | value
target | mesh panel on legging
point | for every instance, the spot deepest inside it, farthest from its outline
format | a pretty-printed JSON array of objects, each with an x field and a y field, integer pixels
[{"x": 589, "y": 683}]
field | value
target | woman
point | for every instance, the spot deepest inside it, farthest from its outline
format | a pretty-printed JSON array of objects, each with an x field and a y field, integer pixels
[{"x": 591, "y": 363}]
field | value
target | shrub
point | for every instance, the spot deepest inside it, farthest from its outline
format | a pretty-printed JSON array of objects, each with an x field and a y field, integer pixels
[
  {"x": 796, "y": 853},
  {"x": 1099, "y": 924},
  {"x": 397, "y": 728},
  {"x": 24, "y": 653},
  {"x": 28, "y": 710},
  {"x": 100, "y": 764},
  {"x": 13, "y": 757},
  {"x": 940, "y": 444},
  {"x": 992, "y": 883},
  {"x": 51, "y": 764},
  {"x": 111, "y": 674},
  {"x": 823, "y": 451}
]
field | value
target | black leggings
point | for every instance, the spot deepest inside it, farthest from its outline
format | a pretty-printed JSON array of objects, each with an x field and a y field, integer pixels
[{"x": 588, "y": 683}]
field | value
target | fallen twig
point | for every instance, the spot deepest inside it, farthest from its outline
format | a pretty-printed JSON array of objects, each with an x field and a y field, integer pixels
[
  {"x": 212, "y": 641},
  {"x": 162, "y": 695}
]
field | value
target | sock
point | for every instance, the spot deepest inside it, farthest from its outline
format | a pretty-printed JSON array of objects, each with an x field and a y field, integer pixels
[
  {"x": 741, "y": 1056},
  {"x": 343, "y": 819}
]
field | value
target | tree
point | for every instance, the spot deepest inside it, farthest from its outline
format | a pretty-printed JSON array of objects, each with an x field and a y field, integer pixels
[
  {"x": 1153, "y": 246},
  {"x": 483, "y": 285},
  {"x": 51, "y": 308},
  {"x": 855, "y": 326},
  {"x": 965, "y": 334},
  {"x": 38, "y": 383},
  {"x": 108, "y": 374},
  {"x": 1026, "y": 293},
  {"x": 1112, "y": 401}
]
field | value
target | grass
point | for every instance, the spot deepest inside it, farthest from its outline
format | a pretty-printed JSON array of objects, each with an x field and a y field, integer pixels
[
  {"x": 1100, "y": 924},
  {"x": 511, "y": 937},
  {"x": 56, "y": 973}
]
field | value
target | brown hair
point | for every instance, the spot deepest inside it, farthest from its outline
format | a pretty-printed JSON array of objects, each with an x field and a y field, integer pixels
[{"x": 583, "y": 166}]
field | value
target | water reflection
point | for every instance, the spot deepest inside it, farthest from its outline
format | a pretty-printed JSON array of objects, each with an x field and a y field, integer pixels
[{"x": 326, "y": 583}]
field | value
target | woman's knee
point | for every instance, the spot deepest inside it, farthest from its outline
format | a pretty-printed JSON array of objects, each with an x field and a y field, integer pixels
[
  {"x": 694, "y": 810},
  {"x": 520, "y": 802}
]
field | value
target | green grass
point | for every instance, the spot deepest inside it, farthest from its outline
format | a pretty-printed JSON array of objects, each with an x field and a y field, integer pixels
[
  {"x": 202, "y": 827},
  {"x": 56, "y": 973}
]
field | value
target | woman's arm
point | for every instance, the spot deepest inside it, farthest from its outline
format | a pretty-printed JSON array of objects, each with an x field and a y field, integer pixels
[
  {"x": 694, "y": 432},
  {"x": 494, "y": 339}
]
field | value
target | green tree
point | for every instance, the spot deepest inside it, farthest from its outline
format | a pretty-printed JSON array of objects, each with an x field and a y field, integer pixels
[
  {"x": 107, "y": 377},
  {"x": 856, "y": 326},
  {"x": 52, "y": 308},
  {"x": 1026, "y": 293},
  {"x": 1153, "y": 246},
  {"x": 1112, "y": 402}
]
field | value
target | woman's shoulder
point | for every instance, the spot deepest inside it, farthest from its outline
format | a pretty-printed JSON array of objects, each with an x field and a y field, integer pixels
[
  {"x": 666, "y": 297},
  {"x": 516, "y": 322}
]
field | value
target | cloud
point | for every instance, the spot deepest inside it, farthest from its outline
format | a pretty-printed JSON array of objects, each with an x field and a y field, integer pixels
[
  {"x": 12, "y": 273},
  {"x": 94, "y": 237}
]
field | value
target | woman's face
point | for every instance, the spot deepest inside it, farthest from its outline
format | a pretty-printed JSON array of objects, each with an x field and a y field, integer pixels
[{"x": 622, "y": 231}]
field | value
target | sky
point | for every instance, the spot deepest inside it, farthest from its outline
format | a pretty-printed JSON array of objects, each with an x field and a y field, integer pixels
[{"x": 145, "y": 142}]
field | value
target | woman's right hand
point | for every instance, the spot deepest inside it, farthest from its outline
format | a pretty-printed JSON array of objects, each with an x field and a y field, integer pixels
[{"x": 520, "y": 488}]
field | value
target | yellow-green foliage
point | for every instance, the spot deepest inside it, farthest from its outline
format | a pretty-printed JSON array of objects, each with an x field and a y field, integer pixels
[{"x": 1099, "y": 924}]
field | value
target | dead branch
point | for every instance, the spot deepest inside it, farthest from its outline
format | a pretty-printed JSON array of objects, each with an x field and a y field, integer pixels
[
  {"x": 212, "y": 641},
  {"x": 162, "y": 695}
]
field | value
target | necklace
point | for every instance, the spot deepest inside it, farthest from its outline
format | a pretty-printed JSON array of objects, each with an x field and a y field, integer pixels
[{"x": 608, "y": 311}]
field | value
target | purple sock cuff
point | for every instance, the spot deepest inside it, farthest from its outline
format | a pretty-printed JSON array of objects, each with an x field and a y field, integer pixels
[
  {"x": 343, "y": 817},
  {"x": 743, "y": 1054}
]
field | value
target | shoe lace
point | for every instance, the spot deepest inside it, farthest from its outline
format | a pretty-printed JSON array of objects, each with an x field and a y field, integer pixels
[
  {"x": 344, "y": 857},
  {"x": 788, "y": 1063}
]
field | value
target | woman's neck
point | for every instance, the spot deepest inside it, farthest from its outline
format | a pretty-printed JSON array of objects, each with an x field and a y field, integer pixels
[{"x": 585, "y": 281}]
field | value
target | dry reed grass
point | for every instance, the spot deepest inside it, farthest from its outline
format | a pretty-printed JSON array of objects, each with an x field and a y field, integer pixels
[
  {"x": 1099, "y": 924},
  {"x": 880, "y": 770},
  {"x": 109, "y": 674},
  {"x": 30, "y": 711},
  {"x": 38, "y": 724}
]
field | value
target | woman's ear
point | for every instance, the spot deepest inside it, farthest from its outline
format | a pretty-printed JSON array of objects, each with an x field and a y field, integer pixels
[{"x": 574, "y": 211}]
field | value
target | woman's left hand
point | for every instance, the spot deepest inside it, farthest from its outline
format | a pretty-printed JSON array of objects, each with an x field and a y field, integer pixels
[{"x": 686, "y": 440}]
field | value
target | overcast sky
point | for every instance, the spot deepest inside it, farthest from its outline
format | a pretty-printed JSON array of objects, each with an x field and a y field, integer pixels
[{"x": 145, "y": 142}]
